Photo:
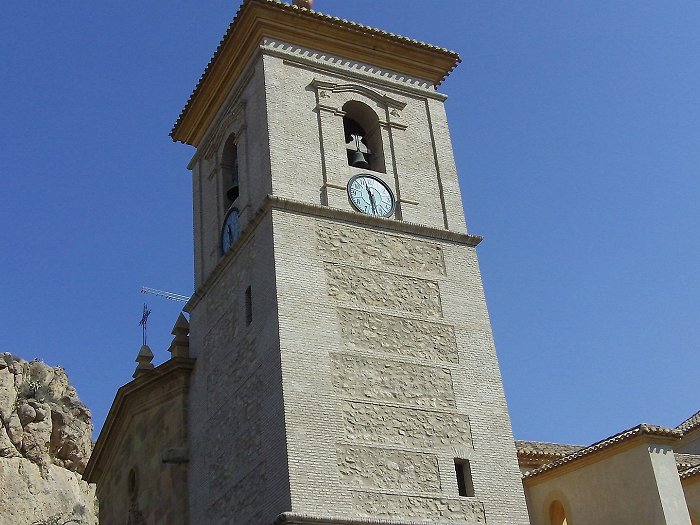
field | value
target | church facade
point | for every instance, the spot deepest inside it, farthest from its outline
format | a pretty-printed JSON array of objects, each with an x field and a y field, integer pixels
[{"x": 338, "y": 365}]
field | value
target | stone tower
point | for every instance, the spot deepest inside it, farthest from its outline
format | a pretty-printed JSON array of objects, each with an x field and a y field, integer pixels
[{"x": 345, "y": 369}]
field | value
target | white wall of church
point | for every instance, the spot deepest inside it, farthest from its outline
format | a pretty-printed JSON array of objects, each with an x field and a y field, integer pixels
[
  {"x": 691, "y": 489},
  {"x": 635, "y": 485}
]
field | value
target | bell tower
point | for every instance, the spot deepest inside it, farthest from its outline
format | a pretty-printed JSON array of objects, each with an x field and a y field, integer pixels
[{"x": 345, "y": 368}]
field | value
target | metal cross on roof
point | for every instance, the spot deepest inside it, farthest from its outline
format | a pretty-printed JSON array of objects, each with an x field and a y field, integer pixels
[{"x": 144, "y": 321}]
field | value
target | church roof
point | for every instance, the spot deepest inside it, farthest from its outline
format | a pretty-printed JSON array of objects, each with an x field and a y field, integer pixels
[
  {"x": 690, "y": 473},
  {"x": 542, "y": 450},
  {"x": 627, "y": 435},
  {"x": 273, "y": 18},
  {"x": 157, "y": 386},
  {"x": 691, "y": 423},
  {"x": 687, "y": 461}
]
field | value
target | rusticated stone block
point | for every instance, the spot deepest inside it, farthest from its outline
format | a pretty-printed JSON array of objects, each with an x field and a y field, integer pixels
[
  {"x": 376, "y": 468},
  {"x": 397, "y": 335},
  {"x": 357, "y": 246},
  {"x": 416, "y": 507},
  {"x": 370, "y": 423},
  {"x": 358, "y": 286},
  {"x": 388, "y": 381}
]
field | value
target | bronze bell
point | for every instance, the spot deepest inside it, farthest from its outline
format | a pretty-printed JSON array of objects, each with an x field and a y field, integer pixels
[{"x": 358, "y": 160}]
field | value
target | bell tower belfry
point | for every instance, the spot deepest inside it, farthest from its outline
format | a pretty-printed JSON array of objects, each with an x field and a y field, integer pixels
[{"x": 345, "y": 368}]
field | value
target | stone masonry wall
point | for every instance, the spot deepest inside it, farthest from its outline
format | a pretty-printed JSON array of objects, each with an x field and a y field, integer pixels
[
  {"x": 388, "y": 402},
  {"x": 385, "y": 342}
]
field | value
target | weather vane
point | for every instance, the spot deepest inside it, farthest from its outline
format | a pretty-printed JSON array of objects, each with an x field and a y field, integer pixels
[{"x": 144, "y": 321}]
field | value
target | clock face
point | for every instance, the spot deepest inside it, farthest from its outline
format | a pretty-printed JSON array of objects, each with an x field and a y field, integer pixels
[
  {"x": 231, "y": 230},
  {"x": 370, "y": 195}
]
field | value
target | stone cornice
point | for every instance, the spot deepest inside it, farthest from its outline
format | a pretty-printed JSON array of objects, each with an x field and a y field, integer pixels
[
  {"x": 363, "y": 90},
  {"x": 293, "y": 518},
  {"x": 257, "y": 19},
  {"x": 174, "y": 368},
  {"x": 325, "y": 212}
]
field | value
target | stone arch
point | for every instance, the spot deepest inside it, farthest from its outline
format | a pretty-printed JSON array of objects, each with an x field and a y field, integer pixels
[
  {"x": 229, "y": 171},
  {"x": 363, "y": 134}
]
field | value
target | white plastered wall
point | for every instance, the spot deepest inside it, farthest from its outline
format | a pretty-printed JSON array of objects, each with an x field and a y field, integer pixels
[{"x": 637, "y": 484}]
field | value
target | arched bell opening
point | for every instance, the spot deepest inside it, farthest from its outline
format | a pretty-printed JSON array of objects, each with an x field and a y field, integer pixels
[
  {"x": 229, "y": 171},
  {"x": 363, "y": 137}
]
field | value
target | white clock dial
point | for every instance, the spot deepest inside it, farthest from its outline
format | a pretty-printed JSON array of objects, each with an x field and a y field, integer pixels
[{"x": 371, "y": 195}]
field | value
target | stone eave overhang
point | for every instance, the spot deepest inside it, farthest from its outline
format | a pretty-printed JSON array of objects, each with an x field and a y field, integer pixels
[
  {"x": 274, "y": 19},
  {"x": 116, "y": 420},
  {"x": 600, "y": 450}
]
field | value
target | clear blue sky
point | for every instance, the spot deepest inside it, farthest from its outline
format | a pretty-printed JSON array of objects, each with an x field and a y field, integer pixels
[{"x": 576, "y": 128}]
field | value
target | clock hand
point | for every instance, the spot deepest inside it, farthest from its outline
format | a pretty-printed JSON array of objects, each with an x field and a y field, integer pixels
[{"x": 371, "y": 201}]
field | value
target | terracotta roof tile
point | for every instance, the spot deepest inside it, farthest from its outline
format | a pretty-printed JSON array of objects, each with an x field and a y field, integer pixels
[
  {"x": 690, "y": 473},
  {"x": 320, "y": 16},
  {"x": 544, "y": 450},
  {"x": 686, "y": 461},
  {"x": 691, "y": 423},
  {"x": 639, "y": 430}
]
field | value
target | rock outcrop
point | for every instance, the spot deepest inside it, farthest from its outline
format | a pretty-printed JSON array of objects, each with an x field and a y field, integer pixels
[{"x": 45, "y": 443}]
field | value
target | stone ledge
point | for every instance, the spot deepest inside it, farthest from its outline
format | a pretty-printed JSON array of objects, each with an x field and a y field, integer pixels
[
  {"x": 325, "y": 212},
  {"x": 292, "y": 518}
]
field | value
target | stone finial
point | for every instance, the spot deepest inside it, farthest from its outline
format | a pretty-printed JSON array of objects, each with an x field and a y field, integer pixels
[
  {"x": 180, "y": 347},
  {"x": 144, "y": 358},
  {"x": 305, "y": 4}
]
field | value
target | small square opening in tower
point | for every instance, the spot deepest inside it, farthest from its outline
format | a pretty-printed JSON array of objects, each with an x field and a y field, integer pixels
[
  {"x": 465, "y": 485},
  {"x": 248, "y": 306}
]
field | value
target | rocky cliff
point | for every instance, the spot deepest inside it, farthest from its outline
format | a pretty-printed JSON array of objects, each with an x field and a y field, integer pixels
[{"x": 45, "y": 443}]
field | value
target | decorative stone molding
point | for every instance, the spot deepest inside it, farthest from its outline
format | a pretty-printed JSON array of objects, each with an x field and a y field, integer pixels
[
  {"x": 310, "y": 59},
  {"x": 377, "y": 468},
  {"x": 323, "y": 212},
  {"x": 389, "y": 425},
  {"x": 360, "y": 287},
  {"x": 359, "y": 89},
  {"x": 398, "y": 336},
  {"x": 231, "y": 121},
  {"x": 175, "y": 455},
  {"x": 295, "y": 518},
  {"x": 388, "y": 381},
  {"x": 346, "y": 244},
  {"x": 467, "y": 511}
]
